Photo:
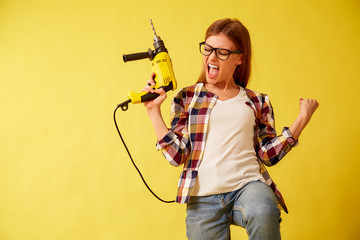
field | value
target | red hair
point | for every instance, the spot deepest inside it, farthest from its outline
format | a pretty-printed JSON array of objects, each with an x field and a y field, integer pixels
[{"x": 238, "y": 33}]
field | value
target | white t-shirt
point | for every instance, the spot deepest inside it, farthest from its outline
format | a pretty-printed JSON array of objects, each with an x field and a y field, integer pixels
[{"x": 229, "y": 160}]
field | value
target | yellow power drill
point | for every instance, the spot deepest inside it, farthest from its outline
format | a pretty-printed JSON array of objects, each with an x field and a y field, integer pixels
[
  {"x": 160, "y": 65},
  {"x": 164, "y": 78}
]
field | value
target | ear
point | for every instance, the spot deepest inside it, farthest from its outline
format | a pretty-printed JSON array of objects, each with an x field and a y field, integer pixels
[{"x": 239, "y": 59}]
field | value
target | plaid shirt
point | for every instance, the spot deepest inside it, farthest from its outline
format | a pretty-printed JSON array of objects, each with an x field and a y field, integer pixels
[{"x": 184, "y": 144}]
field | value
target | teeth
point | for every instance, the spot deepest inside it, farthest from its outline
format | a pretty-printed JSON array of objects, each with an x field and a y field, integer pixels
[{"x": 213, "y": 66}]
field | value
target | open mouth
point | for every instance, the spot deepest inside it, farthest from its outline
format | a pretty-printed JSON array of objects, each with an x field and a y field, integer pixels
[{"x": 213, "y": 70}]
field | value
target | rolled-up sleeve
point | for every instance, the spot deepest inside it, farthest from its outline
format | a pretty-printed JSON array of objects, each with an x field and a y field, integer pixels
[
  {"x": 272, "y": 148},
  {"x": 175, "y": 145}
]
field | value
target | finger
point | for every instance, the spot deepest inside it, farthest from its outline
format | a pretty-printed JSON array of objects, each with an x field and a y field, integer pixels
[
  {"x": 160, "y": 91},
  {"x": 148, "y": 89},
  {"x": 150, "y": 82},
  {"x": 316, "y": 103},
  {"x": 313, "y": 101}
]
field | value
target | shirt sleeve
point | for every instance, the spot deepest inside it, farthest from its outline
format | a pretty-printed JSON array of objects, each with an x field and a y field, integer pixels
[
  {"x": 272, "y": 148},
  {"x": 175, "y": 146}
]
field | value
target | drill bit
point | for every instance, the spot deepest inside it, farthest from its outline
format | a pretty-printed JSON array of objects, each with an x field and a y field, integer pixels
[{"x": 156, "y": 38}]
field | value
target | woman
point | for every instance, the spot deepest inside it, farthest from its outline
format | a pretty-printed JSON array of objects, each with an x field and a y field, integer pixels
[{"x": 223, "y": 134}]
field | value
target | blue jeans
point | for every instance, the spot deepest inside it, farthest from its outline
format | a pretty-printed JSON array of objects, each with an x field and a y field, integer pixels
[{"x": 253, "y": 207}]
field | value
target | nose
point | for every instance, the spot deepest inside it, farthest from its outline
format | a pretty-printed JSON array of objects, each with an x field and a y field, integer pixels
[{"x": 213, "y": 55}]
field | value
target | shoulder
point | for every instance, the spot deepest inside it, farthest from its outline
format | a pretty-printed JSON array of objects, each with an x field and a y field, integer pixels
[
  {"x": 256, "y": 97},
  {"x": 260, "y": 102},
  {"x": 190, "y": 91},
  {"x": 198, "y": 87}
]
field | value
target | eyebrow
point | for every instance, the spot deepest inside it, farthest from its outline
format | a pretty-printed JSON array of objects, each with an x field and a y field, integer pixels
[
  {"x": 231, "y": 51},
  {"x": 219, "y": 47}
]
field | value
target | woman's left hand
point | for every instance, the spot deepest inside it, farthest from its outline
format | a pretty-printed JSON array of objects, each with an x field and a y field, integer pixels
[{"x": 307, "y": 107}]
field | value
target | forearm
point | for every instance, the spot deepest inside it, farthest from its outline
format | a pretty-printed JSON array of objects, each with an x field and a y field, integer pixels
[
  {"x": 158, "y": 122},
  {"x": 298, "y": 126},
  {"x": 273, "y": 148},
  {"x": 307, "y": 109}
]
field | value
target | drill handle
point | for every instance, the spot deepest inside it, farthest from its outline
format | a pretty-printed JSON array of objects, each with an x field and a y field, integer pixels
[
  {"x": 137, "y": 56},
  {"x": 150, "y": 96}
]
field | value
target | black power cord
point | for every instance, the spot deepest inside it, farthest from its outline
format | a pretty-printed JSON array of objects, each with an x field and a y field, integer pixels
[{"x": 127, "y": 150}]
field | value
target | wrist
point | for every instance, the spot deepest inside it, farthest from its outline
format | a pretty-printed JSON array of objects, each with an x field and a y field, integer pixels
[
  {"x": 153, "y": 109},
  {"x": 154, "y": 113},
  {"x": 304, "y": 117}
]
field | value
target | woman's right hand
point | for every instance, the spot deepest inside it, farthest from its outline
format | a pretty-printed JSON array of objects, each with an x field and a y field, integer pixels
[
  {"x": 156, "y": 103},
  {"x": 154, "y": 110}
]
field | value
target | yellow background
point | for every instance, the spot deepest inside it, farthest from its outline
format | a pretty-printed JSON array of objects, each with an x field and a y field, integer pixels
[{"x": 64, "y": 173}]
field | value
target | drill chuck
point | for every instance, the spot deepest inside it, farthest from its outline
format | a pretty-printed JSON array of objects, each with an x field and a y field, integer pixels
[{"x": 159, "y": 46}]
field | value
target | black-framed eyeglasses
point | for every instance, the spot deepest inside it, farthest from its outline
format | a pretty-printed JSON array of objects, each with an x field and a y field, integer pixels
[{"x": 221, "y": 53}]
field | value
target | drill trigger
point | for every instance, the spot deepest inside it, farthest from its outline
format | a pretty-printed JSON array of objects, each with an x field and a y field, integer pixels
[{"x": 153, "y": 78}]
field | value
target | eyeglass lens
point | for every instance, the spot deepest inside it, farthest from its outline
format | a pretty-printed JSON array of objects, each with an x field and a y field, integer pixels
[{"x": 222, "y": 54}]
